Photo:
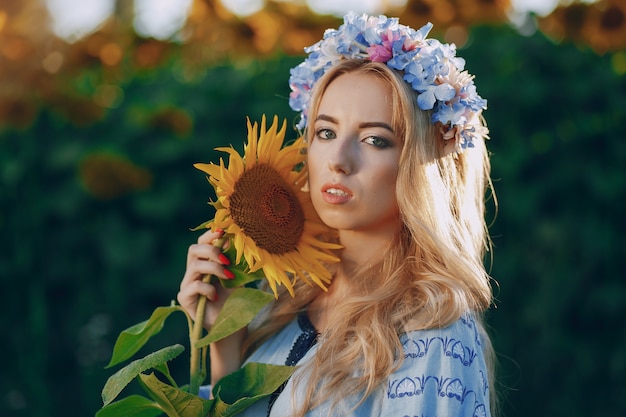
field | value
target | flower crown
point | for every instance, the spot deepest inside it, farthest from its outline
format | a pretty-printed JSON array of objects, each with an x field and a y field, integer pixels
[{"x": 430, "y": 67}]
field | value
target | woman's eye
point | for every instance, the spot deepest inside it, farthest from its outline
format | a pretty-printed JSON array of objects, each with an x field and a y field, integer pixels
[
  {"x": 325, "y": 134},
  {"x": 377, "y": 141}
]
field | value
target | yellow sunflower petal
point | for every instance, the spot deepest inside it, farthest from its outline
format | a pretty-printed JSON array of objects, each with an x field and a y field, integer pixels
[
  {"x": 250, "y": 253},
  {"x": 226, "y": 180},
  {"x": 235, "y": 163},
  {"x": 210, "y": 169},
  {"x": 250, "y": 150},
  {"x": 276, "y": 275},
  {"x": 309, "y": 252},
  {"x": 269, "y": 148},
  {"x": 273, "y": 286},
  {"x": 237, "y": 242}
]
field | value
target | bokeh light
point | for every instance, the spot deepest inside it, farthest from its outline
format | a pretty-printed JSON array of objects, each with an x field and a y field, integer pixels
[{"x": 73, "y": 19}]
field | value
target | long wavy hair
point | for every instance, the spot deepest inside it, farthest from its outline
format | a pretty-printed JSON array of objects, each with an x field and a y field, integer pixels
[{"x": 428, "y": 276}]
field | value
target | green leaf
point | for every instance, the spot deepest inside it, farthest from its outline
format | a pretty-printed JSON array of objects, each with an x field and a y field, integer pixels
[
  {"x": 118, "y": 381},
  {"x": 174, "y": 401},
  {"x": 135, "y": 337},
  {"x": 165, "y": 370},
  {"x": 132, "y": 406},
  {"x": 239, "y": 310},
  {"x": 242, "y": 388}
]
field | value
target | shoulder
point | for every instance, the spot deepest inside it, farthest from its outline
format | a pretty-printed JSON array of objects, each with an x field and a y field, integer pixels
[{"x": 443, "y": 371}]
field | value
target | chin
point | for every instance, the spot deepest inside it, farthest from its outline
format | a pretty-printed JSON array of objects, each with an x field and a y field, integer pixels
[{"x": 338, "y": 222}]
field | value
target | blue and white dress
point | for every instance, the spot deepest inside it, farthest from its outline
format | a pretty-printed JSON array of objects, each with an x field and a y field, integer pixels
[{"x": 443, "y": 374}]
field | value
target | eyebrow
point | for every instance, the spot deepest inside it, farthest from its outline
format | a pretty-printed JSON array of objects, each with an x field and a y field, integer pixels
[{"x": 362, "y": 125}]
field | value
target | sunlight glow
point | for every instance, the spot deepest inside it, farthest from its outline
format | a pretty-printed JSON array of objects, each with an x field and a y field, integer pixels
[
  {"x": 73, "y": 19},
  {"x": 243, "y": 7},
  {"x": 162, "y": 19},
  {"x": 339, "y": 8},
  {"x": 541, "y": 7}
]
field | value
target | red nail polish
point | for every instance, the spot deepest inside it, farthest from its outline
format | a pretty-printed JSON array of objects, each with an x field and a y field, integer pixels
[
  {"x": 228, "y": 274},
  {"x": 223, "y": 259},
  {"x": 215, "y": 297},
  {"x": 220, "y": 230}
]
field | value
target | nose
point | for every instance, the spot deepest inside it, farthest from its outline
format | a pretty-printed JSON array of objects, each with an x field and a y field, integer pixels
[{"x": 342, "y": 157}]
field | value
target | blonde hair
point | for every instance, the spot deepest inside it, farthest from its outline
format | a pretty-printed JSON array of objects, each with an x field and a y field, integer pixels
[{"x": 429, "y": 275}]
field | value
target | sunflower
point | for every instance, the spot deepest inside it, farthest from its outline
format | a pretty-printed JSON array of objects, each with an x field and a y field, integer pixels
[{"x": 261, "y": 206}]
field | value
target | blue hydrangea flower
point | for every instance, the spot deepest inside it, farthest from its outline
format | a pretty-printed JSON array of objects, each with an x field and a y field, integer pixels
[
  {"x": 431, "y": 68},
  {"x": 434, "y": 93},
  {"x": 453, "y": 114}
]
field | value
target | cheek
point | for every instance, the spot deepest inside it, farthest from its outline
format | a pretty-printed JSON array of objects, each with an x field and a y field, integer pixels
[
  {"x": 384, "y": 182},
  {"x": 385, "y": 174}
]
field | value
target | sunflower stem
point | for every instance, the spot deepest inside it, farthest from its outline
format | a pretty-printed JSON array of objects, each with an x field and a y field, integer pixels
[
  {"x": 197, "y": 372},
  {"x": 197, "y": 366}
]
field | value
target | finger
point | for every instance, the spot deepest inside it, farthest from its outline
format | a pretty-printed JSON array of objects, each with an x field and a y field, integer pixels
[
  {"x": 203, "y": 251},
  {"x": 205, "y": 289},
  {"x": 198, "y": 268},
  {"x": 188, "y": 296},
  {"x": 210, "y": 235}
]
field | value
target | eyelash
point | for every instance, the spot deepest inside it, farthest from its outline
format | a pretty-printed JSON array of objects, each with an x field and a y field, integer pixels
[
  {"x": 320, "y": 132},
  {"x": 382, "y": 142},
  {"x": 376, "y": 141}
]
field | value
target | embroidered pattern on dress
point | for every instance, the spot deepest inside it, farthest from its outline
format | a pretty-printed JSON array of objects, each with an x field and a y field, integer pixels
[
  {"x": 484, "y": 384},
  {"x": 466, "y": 348},
  {"x": 418, "y": 348},
  {"x": 468, "y": 320},
  {"x": 450, "y": 388}
]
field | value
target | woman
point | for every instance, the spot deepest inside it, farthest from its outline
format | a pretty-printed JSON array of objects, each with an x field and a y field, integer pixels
[{"x": 397, "y": 165}]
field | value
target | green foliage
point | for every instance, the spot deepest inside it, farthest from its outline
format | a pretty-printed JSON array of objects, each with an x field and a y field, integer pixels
[
  {"x": 77, "y": 269},
  {"x": 251, "y": 383},
  {"x": 135, "y": 406},
  {"x": 555, "y": 115},
  {"x": 116, "y": 383},
  {"x": 174, "y": 402},
  {"x": 232, "y": 395},
  {"x": 131, "y": 340}
]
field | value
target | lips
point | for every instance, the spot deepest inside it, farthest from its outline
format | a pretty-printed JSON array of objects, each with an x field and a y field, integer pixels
[{"x": 336, "y": 194}]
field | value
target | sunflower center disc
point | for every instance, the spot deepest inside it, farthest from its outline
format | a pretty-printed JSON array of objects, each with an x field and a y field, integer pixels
[{"x": 267, "y": 210}]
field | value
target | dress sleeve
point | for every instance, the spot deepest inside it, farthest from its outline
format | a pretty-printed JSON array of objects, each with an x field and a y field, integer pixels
[{"x": 443, "y": 374}]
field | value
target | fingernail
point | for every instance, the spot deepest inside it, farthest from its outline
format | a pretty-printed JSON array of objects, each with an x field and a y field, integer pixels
[
  {"x": 223, "y": 259},
  {"x": 215, "y": 297},
  {"x": 220, "y": 230},
  {"x": 228, "y": 274}
]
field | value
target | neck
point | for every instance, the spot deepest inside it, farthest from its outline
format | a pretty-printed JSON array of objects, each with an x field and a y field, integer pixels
[
  {"x": 359, "y": 250},
  {"x": 362, "y": 249}
]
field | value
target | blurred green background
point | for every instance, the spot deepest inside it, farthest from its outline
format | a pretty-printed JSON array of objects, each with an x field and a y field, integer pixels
[{"x": 98, "y": 192}]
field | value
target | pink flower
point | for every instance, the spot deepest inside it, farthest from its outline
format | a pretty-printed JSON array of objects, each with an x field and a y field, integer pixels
[{"x": 380, "y": 53}]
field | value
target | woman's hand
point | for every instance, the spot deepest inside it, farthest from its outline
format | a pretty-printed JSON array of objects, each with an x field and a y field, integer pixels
[{"x": 203, "y": 258}]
